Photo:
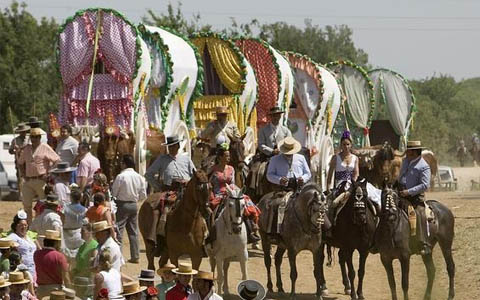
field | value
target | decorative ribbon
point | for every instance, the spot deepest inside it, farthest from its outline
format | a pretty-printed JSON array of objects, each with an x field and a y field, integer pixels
[{"x": 94, "y": 60}]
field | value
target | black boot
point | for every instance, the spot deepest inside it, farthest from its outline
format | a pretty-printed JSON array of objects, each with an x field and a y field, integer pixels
[
  {"x": 422, "y": 230},
  {"x": 252, "y": 236}
]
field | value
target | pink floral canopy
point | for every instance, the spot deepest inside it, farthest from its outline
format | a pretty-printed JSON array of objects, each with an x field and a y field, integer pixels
[{"x": 118, "y": 51}]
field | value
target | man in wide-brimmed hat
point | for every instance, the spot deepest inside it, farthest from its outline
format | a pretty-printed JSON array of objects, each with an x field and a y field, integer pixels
[
  {"x": 288, "y": 165},
  {"x": 132, "y": 290},
  {"x": 34, "y": 122},
  {"x": 51, "y": 265},
  {"x": 204, "y": 287},
  {"x": 19, "y": 287},
  {"x": 49, "y": 219},
  {"x": 38, "y": 158},
  {"x": 174, "y": 170},
  {"x": 103, "y": 236},
  {"x": 271, "y": 134},
  {"x": 251, "y": 290},
  {"x": 63, "y": 172},
  {"x": 168, "y": 280},
  {"x": 67, "y": 147},
  {"x": 182, "y": 289},
  {"x": 414, "y": 180},
  {"x": 220, "y": 127},
  {"x": 15, "y": 148}
]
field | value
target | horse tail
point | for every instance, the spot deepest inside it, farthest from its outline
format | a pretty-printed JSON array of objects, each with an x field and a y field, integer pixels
[{"x": 329, "y": 256}]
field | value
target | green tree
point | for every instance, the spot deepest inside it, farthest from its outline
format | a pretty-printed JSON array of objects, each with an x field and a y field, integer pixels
[{"x": 29, "y": 82}]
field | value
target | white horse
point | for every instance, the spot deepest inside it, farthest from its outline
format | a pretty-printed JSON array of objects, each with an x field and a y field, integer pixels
[{"x": 231, "y": 241}]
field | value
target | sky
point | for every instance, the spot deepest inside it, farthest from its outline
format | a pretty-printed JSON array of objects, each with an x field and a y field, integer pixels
[{"x": 417, "y": 38}]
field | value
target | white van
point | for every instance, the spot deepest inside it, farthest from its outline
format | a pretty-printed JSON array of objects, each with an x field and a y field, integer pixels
[{"x": 7, "y": 159}]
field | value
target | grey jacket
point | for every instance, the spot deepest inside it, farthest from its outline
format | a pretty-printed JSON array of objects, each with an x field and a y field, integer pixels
[{"x": 269, "y": 137}]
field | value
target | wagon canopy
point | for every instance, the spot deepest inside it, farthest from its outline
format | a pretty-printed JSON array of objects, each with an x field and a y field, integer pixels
[
  {"x": 121, "y": 68},
  {"x": 359, "y": 104},
  {"x": 395, "y": 102},
  {"x": 229, "y": 80},
  {"x": 273, "y": 74},
  {"x": 177, "y": 79}
]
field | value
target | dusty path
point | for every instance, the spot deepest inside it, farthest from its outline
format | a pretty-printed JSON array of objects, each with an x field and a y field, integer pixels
[{"x": 464, "y": 204}]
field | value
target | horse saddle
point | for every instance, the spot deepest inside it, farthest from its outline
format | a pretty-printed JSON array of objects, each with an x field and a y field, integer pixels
[{"x": 276, "y": 207}]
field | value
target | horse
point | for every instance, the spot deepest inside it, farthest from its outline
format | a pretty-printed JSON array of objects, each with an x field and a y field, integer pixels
[
  {"x": 301, "y": 230},
  {"x": 394, "y": 242},
  {"x": 185, "y": 227},
  {"x": 111, "y": 148},
  {"x": 231, "y": 241},
  {"x": 354, "y": 230}
]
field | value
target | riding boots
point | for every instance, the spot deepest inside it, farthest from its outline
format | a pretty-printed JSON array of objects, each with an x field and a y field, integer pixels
[{"x": 421, "y": 229}]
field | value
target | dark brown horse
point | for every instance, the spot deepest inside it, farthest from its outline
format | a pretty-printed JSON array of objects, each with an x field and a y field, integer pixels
[
  {"x": 394, "y": 241},
  {"x": 354, "y": 230},
  {"x": 301, "y": 230},
  {"x": 111, "y": 148}
]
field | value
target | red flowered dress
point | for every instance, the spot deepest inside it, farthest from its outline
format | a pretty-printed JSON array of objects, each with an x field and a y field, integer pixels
[{"x": 219, "y": 181}]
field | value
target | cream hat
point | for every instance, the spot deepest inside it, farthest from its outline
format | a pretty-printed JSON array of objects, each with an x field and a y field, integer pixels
[
  {"x": 289, "y": 145},
  {"x": 100, "y": 226},
  {"x": 184, "y": 269},
  {"x": 132, "y": 287}
]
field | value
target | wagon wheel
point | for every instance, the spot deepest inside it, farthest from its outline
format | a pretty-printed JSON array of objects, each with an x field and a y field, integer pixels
[
  {"x": 181, "y": 130},
  {"x": 327, "y": 150},
  {"x": 141, "y": 143},
  {"x": 250, "y": 145}
]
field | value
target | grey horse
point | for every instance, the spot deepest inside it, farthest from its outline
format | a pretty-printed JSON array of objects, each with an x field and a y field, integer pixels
[{"x": 300, "y": 230}]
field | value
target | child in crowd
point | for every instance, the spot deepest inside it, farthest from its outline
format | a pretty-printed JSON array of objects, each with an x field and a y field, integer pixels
[{"x": 168, "y": 280}]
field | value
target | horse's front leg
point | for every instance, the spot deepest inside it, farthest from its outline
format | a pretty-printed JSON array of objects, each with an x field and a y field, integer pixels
[
  {"x": 243, "y": 264},
  {"x": 405, "y": 263},
  {"x": 226, "y": 265},
  {"x": 267, "y": 259},
  {"x": 429, "y": 265},
  {"x": 387, "y": 264},
  {"x": 351, "y": 273},
  {"x": 361, "y": 272},
  {"x": 342, "y": 261},
  {"x": 278, "y": 265},
  {"x": 317, "y": 270},
  {"x": 220, "y": 274},
  {"x": 292, "y": 258},
  {"x": 321, "y": 258}
]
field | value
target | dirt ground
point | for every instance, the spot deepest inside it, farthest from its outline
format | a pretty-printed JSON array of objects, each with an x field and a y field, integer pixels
[{"x": 466, "y": 247}]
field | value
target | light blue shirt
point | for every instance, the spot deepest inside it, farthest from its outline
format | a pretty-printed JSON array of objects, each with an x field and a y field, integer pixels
[
  {"x": 279, "y": 167},
  {"x": 415, "y": 176},
  {"x": 169, "y": 168}
]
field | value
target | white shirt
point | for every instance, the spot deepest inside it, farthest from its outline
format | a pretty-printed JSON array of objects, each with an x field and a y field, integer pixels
[
  {"x": 63, "y": 192},
  {"x": 129, "y": 186},
  {"x": 112, "y": 281},
  {"x": 209, "y": 296},
  {"x": 115, "y": 252},
  {"x": 67, "y": 149}
]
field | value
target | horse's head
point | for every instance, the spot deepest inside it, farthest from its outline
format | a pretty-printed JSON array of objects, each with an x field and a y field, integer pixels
[
  {"x": 360, "y": 197},
  {"x": 234, "y": 207},
  {"x": 315, "y": 206},
  {"x": 390, "y": 205},
  {"x": 237, "y": 149},
  {"x": 199, "y": 188},
  {"x": 383, "y": 160}
]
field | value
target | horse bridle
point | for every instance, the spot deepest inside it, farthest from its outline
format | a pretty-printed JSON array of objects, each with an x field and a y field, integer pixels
[
  {"x": 314, "y": 228},
  {"x": 239, "y": 214}
]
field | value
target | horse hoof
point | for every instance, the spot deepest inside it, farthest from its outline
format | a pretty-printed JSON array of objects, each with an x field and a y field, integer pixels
[
  {"x": 281, "y": 290},
  {"x": 347, "y": 291},
  {"x": 324, "y": 293},
  {"x": 293, "y": 297},
  {"x": 360, "y": 297}
]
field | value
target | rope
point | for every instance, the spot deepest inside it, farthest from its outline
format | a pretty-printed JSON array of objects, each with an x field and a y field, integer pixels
[{"x": 94, "y": 60}]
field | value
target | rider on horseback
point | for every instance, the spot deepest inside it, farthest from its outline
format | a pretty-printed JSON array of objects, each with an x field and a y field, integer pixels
[
  {"x": 220, "y": 127},
  {"x": 174, "y": 171},
  {"x": 414, "y": 180},
  {"x": 272, "y": 133}
]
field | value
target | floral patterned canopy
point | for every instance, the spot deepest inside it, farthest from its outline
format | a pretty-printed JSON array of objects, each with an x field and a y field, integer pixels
[{"x": 118, "y": 50}]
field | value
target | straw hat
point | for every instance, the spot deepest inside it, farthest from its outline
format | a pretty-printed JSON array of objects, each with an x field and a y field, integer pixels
[
  {"x": 5, "y": 243},
  {"x": 147, "y": 275},
  {"x": 21, "y": 127},
  {"x": 132, "y": 287},
  {"x": 17, "y": 278},
  {"x": 222, "y": 110},
  {"x": 3, "y": 282},
  {"x": 412, "y": 145},
  {"x": 52, "y": 235},
  {"x": 289, "y": 145},
  {"x": 55, "y": 295},
  {"x": 184, "y": 269},
  {"x": 275, "y": 110},
  {"x": 251, "y": 290},
  {"x": 82, "y": 282},
  {"x": 204, "y": 276},
  {"x": 36, "y": 131},
  {"x": 63, "y": 167},
  {"x": 70, "y": 294},
  {"x": 100, "y": 226},
  {"x": 166, "y": 267}
]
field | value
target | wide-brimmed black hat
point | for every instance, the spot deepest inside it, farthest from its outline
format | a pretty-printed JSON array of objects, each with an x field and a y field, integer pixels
[
  {"x": 63, "y": 167},
  {"x": 148, "y": 275},
  {"x": 22, "y": 127},
  {"x": 251, "y": 290},
  {"x": 34, "y": 122},
  {"x": 172, "y": 140},
  {"x": 276, "y": 110}
]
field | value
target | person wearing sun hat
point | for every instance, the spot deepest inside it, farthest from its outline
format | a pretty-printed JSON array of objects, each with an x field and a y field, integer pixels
[
  {"x": 49, "y": 219},
  {"x": 5, "y": 248},
  {"x": 4, "y": 288},
  {"x": 251, "y": 290},
  {"x": 102, "y": 231},
  {"x": 15, "y": 148},
  {"x": 168, "y": 280},
  {"x": 132, "y": 290},
  {"x": 182, "y": 288},
  {"x": 220, "y": 127},
  {"x": 38, "y": 158},
  {"x": 414, "y": 181},
  {"x": 51, "y": 265},
  {"x": 288, "y": 165},
  {"x": 63, "y": 173},
  {"x": 19, "y": 288},
  {"x": 204, "y": 287}
]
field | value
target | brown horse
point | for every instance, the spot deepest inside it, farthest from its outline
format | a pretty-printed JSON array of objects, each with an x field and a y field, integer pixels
[
  {"x": 301, "y": 230},
  {"x": 111, "y": 148},
  {"x": 354, "y": 230},
  {"x": 394, "y": 241}
]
